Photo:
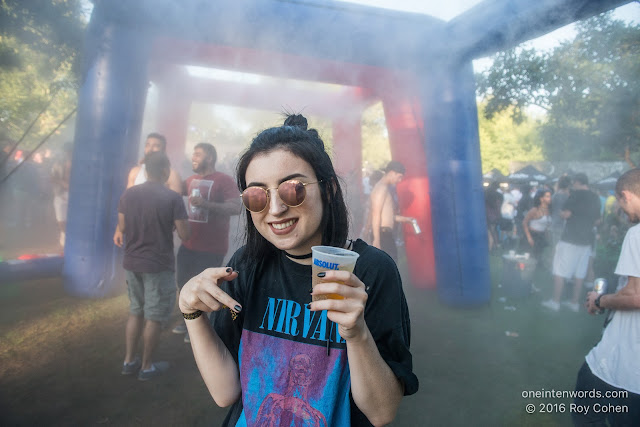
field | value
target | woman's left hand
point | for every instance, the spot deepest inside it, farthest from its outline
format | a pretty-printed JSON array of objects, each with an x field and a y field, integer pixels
[{"x": 347, "y": 312}]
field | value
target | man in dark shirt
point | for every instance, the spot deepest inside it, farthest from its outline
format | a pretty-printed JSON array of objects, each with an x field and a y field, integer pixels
[
  {"x": 571, "y": 259},
  {"x": 147, "y": 214}
]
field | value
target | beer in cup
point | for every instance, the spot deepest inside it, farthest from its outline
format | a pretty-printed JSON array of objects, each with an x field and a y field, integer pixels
[{"x": 327, "y": 258}]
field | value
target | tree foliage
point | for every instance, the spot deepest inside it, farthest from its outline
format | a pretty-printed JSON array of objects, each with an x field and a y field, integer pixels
[
  {"x": 40, "y": 42},
  {"x": 588, "y": 86},
  {"x": 503, "y": 140},
  {"x": 376, "y": 151}
]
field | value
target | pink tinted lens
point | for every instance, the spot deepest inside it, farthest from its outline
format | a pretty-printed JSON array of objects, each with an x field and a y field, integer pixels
[
  {"x": 292, "y": 193},
  {"x": 254, "y": 199}
]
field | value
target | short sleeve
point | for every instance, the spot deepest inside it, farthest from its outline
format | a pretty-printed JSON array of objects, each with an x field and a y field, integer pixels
[
  {"x": 229, "y": 188},
  {"x": 629, "y": 261},
  {"x": 121, "y": 202},
  {"x": 387, "y": 314}
]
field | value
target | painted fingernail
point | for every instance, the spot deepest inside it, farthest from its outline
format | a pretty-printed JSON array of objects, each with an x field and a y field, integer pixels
[
  {"x": 311, "y": 290},
  {"x": 236, "y": 271},
  {"x": 322, "y": 274},
  {"x": 229, "y": 270},
  {"x": 237, "y": 308}
]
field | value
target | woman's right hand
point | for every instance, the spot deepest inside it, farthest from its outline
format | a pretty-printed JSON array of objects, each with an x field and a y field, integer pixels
[{"x": 203, "y": 292}]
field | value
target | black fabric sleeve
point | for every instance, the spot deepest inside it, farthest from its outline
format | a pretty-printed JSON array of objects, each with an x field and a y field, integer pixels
[{"x": 387, "y": 314}]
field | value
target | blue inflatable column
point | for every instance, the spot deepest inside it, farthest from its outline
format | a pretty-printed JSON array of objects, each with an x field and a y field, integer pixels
[
  {"x": 455, "y": 182},
  {"x": 110, "y": 109}
]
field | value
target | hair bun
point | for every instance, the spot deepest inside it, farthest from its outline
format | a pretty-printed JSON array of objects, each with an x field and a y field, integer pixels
[{"x": 297, "y": 120}]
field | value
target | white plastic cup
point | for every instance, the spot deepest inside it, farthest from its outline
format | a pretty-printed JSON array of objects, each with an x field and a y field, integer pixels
[
  {"x": 325, "y": 258},
  {"x": 512, "y": 253}
]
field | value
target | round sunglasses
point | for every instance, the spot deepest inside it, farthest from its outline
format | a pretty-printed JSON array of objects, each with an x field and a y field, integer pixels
[{"x": 291, "y": 192}]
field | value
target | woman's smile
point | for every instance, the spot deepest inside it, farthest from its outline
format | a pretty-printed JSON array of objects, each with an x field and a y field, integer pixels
[{"x": 284, "y": 227}]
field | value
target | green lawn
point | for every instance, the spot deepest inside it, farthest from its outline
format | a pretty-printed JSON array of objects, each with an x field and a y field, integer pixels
[{"x": 472, "y": 373}]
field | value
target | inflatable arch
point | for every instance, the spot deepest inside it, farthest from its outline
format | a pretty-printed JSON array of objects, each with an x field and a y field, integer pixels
[{"x": 419, "y": 67}]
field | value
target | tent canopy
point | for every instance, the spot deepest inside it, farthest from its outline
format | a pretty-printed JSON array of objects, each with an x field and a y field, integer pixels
[{"x": 528, "y": 174}]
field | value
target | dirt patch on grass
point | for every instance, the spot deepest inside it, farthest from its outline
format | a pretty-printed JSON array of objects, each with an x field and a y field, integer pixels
[{"x": 60, "y": 360}]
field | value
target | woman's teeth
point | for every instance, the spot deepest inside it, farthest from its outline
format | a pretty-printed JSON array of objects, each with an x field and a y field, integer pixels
[{"x": 283, "y": 225}]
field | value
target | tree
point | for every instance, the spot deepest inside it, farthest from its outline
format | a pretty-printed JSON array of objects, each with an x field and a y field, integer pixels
[
  {"x": 40, "y": 41},
  {"x": 376, "y": 151},
  {"x": 589, "y": 88},
  {"x": 503, "y": 140}
]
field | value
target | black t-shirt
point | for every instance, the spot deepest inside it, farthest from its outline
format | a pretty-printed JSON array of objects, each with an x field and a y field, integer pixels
[
  {"x": 280, "y": 346},
  {"x": 150, "y": 210},
  {"x": 584, "y": 206}
]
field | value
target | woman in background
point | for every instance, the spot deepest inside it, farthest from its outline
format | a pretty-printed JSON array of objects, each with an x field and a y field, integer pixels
[{"x": 537, "y": 223}]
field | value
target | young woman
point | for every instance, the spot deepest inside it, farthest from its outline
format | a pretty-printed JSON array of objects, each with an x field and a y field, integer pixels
[
  {"x": 271, "y": 353},
  {"x": 537, "y": 223}
]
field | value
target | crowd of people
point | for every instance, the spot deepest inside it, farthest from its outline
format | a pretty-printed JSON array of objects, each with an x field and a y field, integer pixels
[{"x": 533, "y": 219}]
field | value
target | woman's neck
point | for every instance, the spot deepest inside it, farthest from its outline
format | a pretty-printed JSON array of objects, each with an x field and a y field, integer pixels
[{"x": 304, "y": 261}]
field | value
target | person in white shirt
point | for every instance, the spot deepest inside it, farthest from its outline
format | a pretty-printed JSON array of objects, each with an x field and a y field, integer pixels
[{"x": 608, "y": 384}]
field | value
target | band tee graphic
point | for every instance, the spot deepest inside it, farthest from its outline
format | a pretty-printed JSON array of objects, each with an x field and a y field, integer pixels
[
  {"x": 288, "y": 382},
  {"x": 199, "y": 188}
]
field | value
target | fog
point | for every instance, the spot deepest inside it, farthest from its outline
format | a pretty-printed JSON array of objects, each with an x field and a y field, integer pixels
[{"x": 213, "y": 83}]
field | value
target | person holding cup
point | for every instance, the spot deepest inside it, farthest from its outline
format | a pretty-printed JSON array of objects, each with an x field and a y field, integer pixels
[{"x": 264, "y": 352}]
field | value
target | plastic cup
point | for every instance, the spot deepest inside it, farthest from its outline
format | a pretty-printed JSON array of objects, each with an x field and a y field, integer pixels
[
  {"x": 327, "y": 258},
  {"x": 512, "y": 253}
]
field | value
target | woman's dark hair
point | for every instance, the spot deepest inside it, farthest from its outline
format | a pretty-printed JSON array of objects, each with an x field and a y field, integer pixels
[
  {"x": 539, "y": 195},
  {"x": 306, "y": 144}
]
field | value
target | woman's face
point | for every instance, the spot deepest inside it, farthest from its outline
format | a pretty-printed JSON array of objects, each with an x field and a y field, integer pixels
[
  {"x": 546, "y": 198},
  {"x": 296, "y": 229}
]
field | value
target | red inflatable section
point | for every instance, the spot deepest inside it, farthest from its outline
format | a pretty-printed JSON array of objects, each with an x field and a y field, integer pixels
[{"x": 405, "y": 137}]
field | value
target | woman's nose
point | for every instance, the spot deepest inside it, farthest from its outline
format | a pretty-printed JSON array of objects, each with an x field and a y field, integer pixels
[{"x": 276, "y": 205}]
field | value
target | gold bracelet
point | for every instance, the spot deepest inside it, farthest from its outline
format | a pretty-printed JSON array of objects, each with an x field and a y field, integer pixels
[{"x": 191, "y": 316}]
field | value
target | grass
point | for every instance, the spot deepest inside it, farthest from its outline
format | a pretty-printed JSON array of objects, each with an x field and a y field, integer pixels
[
  {"x": 472, "y": 373},
  {"x": 60, "y": 357}
]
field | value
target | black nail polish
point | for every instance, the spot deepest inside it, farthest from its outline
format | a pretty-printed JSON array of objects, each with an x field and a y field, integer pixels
[
  {"x": 322, "y": 274},
  {"x": 236, "y": 271},
  {"x": 311, "y": 290},
  {"x": 228, "y": 270},
  {"x": 237, "y": 308}
]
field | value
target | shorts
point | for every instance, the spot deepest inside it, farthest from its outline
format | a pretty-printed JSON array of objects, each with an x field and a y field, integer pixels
[
  {"x": 191, "y": 263},
  {"x": 571, "y": 260},
  {"x": 60, "y": 206},
  {"x": 151, "y": 294}
]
